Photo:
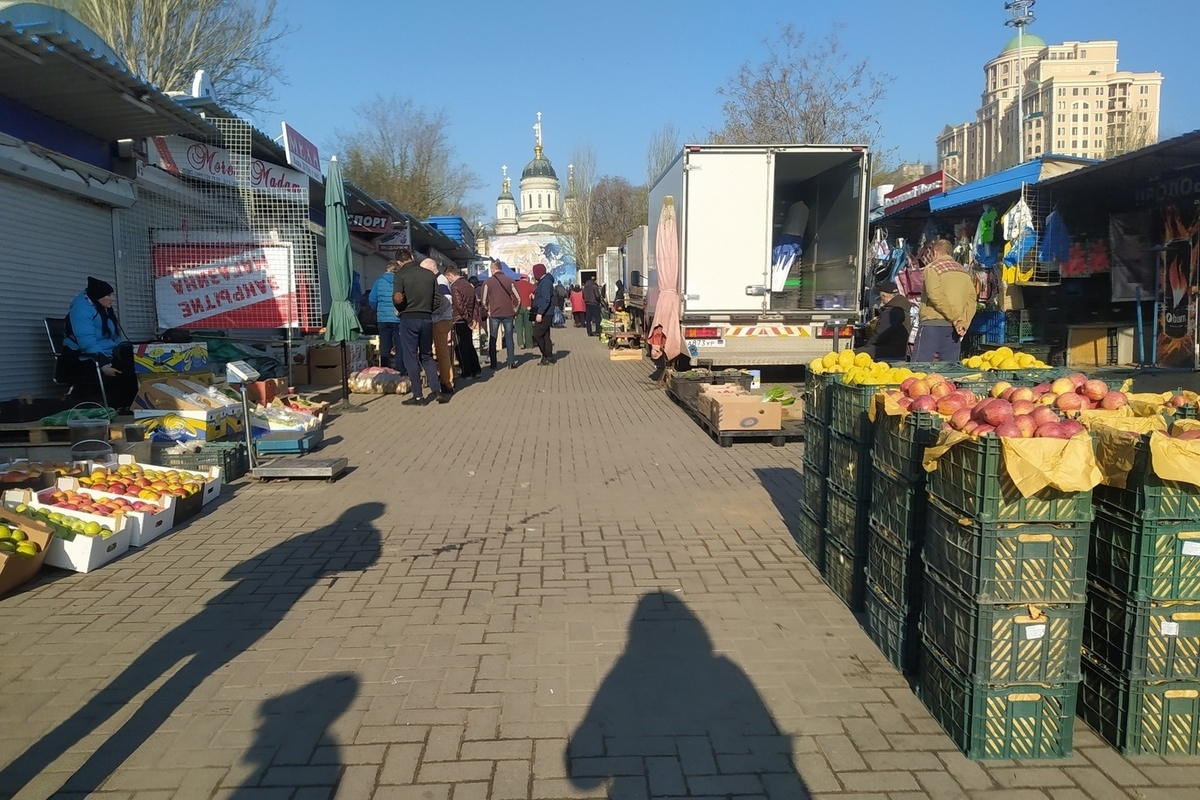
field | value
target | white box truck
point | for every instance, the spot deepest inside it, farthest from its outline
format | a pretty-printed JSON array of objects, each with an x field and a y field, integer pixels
[
  {"x": 772, "y": 243},
  {"x": 635, "y": 271}
]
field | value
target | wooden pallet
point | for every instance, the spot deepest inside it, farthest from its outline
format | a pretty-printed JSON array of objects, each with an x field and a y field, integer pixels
[
  {"x": 792, "y": 430},
  {"x": 33, "y": 433},
  {"x": 624, "y": 354}
]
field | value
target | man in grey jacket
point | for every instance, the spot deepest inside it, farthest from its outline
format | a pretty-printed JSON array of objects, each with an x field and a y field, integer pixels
[{"x": 417, "y": 298}]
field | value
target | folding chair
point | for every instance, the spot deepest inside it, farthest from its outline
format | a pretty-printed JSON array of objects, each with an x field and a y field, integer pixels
[{"x": 68, "y": 368}]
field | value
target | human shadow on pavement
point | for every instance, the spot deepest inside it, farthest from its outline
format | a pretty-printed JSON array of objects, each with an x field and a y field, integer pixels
[
  {"x": 784, "y": 485},
  {"x": 675, "y": 719},
  {"x": 294, "y": 727},
  {"x": 265, "y": 589}
]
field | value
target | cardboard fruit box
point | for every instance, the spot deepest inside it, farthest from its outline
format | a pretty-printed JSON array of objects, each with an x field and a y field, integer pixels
[
  {"x": 16, "y": 570},
  {"x": 211, "y": 476},
  {"x": 144, "y": 526},
  {"x": 746, "y": 412},
  {"x": 80, "y": 553}
]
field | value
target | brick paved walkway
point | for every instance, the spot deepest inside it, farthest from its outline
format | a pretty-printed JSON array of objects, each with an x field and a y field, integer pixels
[{"x": 520, "y": 570}]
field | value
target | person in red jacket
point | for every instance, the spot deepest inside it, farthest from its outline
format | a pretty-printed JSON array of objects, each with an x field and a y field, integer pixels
[
  {"x": 522, "y": 324},
  {"x": 578, "y": 307}
]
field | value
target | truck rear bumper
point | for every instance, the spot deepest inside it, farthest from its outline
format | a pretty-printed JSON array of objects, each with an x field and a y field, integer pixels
[{"x": 753, "y": 351}]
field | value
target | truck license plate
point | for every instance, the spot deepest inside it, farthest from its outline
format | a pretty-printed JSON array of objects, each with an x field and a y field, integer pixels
[{"x": 705, "y": 342}]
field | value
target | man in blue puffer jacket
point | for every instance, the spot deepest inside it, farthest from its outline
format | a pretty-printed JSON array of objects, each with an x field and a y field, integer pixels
[
  {"x": 380, "y": 299},
  {"x": 542, "y": 308}
]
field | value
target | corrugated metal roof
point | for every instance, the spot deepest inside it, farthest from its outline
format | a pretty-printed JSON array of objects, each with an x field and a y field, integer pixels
[{"x": 58, "y": 67}]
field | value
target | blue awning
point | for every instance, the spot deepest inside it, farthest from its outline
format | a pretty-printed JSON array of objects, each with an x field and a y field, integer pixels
[{"x": 1007, "y": 181}]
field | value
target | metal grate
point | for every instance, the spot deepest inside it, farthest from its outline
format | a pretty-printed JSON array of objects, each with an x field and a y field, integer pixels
[{"x": 234, "y": 253}]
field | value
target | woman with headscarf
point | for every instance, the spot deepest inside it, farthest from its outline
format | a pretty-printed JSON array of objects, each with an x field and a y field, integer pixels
[{"x": 94, "y": 333}]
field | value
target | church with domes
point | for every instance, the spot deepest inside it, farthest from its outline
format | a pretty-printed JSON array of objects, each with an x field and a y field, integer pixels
[{"x": 542, "y": 207}]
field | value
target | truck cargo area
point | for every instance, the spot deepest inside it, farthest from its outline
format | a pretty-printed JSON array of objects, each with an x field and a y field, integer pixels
[{"x": 824, "y": 190}]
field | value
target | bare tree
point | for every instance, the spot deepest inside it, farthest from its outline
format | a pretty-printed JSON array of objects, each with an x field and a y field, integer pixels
[
  {"x": 806, "y": 92},
  {"x": 167, "y": 41},
  {"x": 664, "y": 146},
  {"x": 402, "y": 153},
  {"x": 578, "y": 225},
  {"x": 617, "y": 208}
]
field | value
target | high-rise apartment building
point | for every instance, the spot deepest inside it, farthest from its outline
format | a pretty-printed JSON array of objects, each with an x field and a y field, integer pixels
[{"x": 1076, "y": 103}]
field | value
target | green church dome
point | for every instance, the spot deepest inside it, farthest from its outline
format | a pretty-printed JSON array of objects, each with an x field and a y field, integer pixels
[{"x": 1030, "y": 41}]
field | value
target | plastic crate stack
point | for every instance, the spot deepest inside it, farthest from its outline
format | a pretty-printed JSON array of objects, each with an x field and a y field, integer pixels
[
  {"x": 895, "y": 531},
  {"x": 231, "y": 457},
  {"x": 810, "y": 532},
  {"x": 1141, "y": 664},
  {"x": 1003, "y": 607},
  {"x": 851, "y": 437}
]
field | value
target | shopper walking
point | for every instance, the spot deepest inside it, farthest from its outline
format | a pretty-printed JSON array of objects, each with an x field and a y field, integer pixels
[
  {"x": 443, "y": 329},
  {"x": 417, "y": 299},
  {"x": 578, "y": 308},
  {"x": 466, "y": 314},
  {"x": 543, "y": 313},
  {"x": 522, "y": 322},
  {"x": 948, "y": 302},
  {"x": 500, "y": 302},
  {"x": 592, "y": 298},
  {"x": 560, "y": 296},
  {"x": 388, "y": 321}
]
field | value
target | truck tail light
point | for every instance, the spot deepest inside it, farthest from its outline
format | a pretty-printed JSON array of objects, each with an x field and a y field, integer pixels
[{"x": 702, "y": 333}]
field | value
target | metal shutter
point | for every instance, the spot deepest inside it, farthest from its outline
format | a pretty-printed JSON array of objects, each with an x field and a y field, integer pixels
[{"x": 50, "y": 242}]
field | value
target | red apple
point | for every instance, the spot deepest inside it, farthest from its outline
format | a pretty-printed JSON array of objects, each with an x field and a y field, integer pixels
[
  {"x": 949, "y": 404},
  {"x": 1077, "y": 379},
  {"x": 997, "y": 413},
  {"x": 1094, "y": 390},
  {"x": 1021, "y": 393},
  {"x": 984, "y": 430},
  {"x": 1009, "y": 430},
  {"x": 925, "y": 403},
  {"x": 1071, "y": 427},
  {"x": 1062, "y": 386},
  {"x": 1026, "y": 424},
  {"x": 907, "y": 382},
  {"x": 1192, "y": 434},
  {"x": 1052, "y": 431},
  {"x": 971, "y": 427},
  {"x": 1044, "y": 415},
  {"x": 1023, "y": 407},
  {"x": 918, "y": 388},
  {"x": 1041, "y": 388},
  {"x": 960, "y": 418},
  {"x": 1007, "y": 394},
  {"x": 905, "y": 403},
  {"x": 940, "y": 389},
  {"x": 1069, "y": 401}
]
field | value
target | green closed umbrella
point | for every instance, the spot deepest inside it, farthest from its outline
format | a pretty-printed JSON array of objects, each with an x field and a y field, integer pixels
[{"x": 343, "y": 325}]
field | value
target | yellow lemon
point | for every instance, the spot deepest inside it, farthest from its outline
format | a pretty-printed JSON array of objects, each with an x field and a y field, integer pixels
[
  {"x": 862, "y": 360},
  {"x": 974, "y": 362},
  {"x": 1025, "y": 360},
  {"x": 829, "y": 359},
  {"x": 1004, "y": 352},
  {"x": 846, "y": 358}
]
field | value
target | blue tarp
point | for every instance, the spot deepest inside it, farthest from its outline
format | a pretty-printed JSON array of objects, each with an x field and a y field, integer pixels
[{"x": 1001, "y": 183}]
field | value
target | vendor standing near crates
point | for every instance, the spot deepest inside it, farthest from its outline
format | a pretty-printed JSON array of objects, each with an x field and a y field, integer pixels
[
  {"x": 948, "y": 301},
  {"x": 93, "y": 332},
  {"x": 888, "y": 341}
]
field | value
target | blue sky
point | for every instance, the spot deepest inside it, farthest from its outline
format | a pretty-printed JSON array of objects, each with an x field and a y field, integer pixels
[{"x": 613, "y": 72}]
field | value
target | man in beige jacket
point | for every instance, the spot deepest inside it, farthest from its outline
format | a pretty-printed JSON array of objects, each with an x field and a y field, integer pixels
[{"x": 948, "y": 302}]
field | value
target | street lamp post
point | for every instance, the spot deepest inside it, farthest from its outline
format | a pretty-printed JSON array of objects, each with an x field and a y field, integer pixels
[{"x": 1021, "y": 12}]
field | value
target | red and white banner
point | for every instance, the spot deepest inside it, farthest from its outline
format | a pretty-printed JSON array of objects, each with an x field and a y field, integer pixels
[
  {"x": 302, "y": 154},
  {"x": 182, "y": 156},
  {"x": 224, "y": 285},
  {"x": 912, "y": 193}
]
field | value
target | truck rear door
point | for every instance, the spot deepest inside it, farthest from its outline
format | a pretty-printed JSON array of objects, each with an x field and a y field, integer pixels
[{"x": 726, "y": 231}]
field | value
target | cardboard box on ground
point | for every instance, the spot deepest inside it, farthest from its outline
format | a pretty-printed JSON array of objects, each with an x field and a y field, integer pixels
[
  {"x": 731, "y": 408},
  {"x": 181, "y": 409},
  {"x": 325, "y": 363}
]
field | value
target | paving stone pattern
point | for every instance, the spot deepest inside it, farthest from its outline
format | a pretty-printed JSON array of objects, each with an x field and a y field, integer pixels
[{"x": 555, "y": 586}]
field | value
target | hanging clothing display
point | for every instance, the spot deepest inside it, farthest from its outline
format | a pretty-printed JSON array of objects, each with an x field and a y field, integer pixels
[
  {"x": 789, "y": 245},
  {"x": 987, "y": 249},
  {"x": 1056, "y": 239},
  {"x": 1022, "y": 239}
]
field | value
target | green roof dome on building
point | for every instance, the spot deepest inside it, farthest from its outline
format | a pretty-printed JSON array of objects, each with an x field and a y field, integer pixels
[{"x": 1030, "y": 41}]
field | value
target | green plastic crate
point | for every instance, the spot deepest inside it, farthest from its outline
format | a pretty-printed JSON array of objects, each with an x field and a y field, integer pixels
[
  {"x": 850, "y": 467},
  {"x": 971, "y": 479},
  {"x": 1007, "y": 562},
  {"x": 995, "y": 643},
  {"x": 816, "y": 394},
  {"x": 1149, "y": 496},
  {"x": 900, "y": 442},
  {"x": 810, "y": 538},
  {"x": 897, "y": 506},
  {"x": 895, "y": 569},
  {"x": 231, "y": 457},
  {"x": 845, "y": 573},
  {"x": 1138, "y": 717},
  {"x": 813, "y": 491},
  {"x": 849, "y": 411},
  {"x": 1145, "y": 559},
  {"x": 816, "y": 443},
  {"x": 846, "y": 521},
  {"x": 893, "y": 630},
  {"x": 1143, "y": 639},
  {"x": 986, "y": 721}
]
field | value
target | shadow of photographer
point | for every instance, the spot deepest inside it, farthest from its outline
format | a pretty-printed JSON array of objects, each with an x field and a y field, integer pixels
[
  {"x": 675, "y": 719},
  {"x": 264, "y": 590}
]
